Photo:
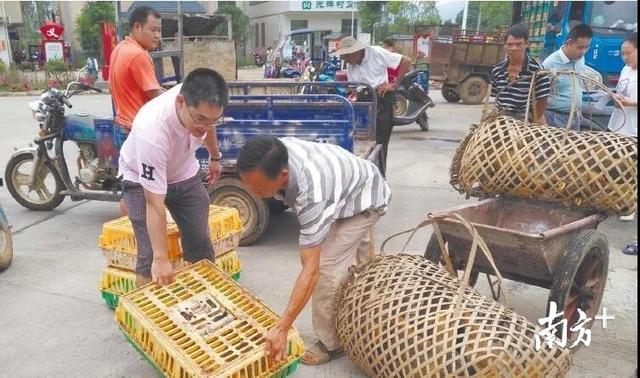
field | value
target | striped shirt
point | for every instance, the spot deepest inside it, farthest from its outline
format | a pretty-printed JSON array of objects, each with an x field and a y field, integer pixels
[
  {"x": 326, "y": 183},
  {"x": 514, "y": 98}
]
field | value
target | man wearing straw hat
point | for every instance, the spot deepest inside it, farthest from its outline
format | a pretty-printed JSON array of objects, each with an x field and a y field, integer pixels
[
  {"x": 369, "y": 64},
  {"x": 511, "y": 79},
  {"x": 570, "y": 57}
]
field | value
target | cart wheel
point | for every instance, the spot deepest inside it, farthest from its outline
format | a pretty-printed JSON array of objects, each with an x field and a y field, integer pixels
[
  {"x": 432, "y": 253},
  {"x": 254, "y": 211},
  {"x": 579, "y": 278},
  {"x": 450, "y": 94},
  {"x": 473, "y": 90}
]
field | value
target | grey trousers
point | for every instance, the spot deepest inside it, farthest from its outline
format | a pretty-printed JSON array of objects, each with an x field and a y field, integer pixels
[{"x": 188, "y": 203}]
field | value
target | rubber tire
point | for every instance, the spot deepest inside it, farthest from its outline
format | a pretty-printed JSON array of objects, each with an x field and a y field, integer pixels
[
  {"x": 276, "y": 207},
  {"x": 255, "y": 215},
  {"x": 432, "y": 253},
  {"x": 450, "y": 94},
  {"x": 469, "y": 86},
  {"x": 423, "y": 122},
  {"x": 399, "y": 99},
  {"x": 55, "y": 200},
  {"x": 568, "y": 265},
  {"x": 6, "y": 255}
]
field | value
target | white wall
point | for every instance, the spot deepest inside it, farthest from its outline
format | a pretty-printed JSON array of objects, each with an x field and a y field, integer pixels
[
  {"x": 277, "y": 17},
  {"x": 319, "y": 21}
]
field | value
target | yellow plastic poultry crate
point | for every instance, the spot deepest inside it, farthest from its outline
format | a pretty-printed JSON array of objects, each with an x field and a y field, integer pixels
[
  {"x": 117, "y": 282},
  {"x": 204, "y": 325},
  {"x": 119, "y": 245},
  {"x": 224, "y": 222}
]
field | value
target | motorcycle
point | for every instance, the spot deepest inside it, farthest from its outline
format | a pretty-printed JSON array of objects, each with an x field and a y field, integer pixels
[
  {"x": 412, "y": 99},
  {"x": 6, "y": 241},
  {"x": 38, "y": 177}
]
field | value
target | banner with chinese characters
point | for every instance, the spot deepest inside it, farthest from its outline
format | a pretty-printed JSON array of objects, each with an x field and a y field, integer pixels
[{"x": 327, "y": 5}]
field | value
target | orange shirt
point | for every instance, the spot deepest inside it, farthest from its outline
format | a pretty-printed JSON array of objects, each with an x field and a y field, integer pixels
[{"x": 131, "y": 73}]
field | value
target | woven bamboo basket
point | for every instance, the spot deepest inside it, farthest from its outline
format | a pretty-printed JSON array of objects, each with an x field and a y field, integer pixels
[
  {"x": 596, "y": 170},
  {"x": 403, "y": 316},
  {"x": 502, "y": 155}
]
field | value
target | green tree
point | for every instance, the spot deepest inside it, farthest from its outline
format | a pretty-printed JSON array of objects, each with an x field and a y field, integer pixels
[
  {"x": 495, "y": 14},
  {"x": 492, "y": 14},
  {"x": 370, "y": 13},
  {"x": 239, "y": 22},
  {"x": 88, "y": 24}
]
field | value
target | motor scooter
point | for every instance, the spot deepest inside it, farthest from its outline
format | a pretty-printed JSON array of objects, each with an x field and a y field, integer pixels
[{"x": 412, "y": 99}]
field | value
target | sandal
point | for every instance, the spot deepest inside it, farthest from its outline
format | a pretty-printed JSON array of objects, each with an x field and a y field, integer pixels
[
  {"x": 317, "y": 354},
  {"x": 631, "y": 248}
]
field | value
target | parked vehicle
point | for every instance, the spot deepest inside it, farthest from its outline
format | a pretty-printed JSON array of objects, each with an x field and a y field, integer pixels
[
  {"x": 412, "y": 99},
  {"x": 6, "y": 241},
  {"x": 469, "y": 58},
  {"x": 319, "y": 114},
  {"x": 39, "y": 177},
  {"x": 549, "y": 23}
]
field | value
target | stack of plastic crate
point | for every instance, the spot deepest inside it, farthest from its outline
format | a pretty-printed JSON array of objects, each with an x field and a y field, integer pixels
[
  {"x": 118, "y": 244},
  {"x": 204, "y": 325}
]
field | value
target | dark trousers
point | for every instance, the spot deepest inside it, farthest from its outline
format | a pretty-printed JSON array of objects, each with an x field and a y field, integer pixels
[
  {"x": 188, "y": 203},
  {"x": 384, "y": 127}
]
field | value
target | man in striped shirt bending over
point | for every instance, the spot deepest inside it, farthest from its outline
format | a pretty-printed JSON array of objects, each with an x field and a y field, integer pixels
[
  {"x": 511, "y": 78},
  {"x": 338, "y": 198}
]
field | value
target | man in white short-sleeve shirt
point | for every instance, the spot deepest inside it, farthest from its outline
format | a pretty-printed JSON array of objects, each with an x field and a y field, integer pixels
[
  {"x": 368, "y": 64},
  {"x": 159, "y": 171}
]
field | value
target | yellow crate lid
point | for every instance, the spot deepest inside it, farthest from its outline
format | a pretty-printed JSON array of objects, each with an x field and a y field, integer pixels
[
  {"x": 118, "y": 235},
  {"x": 203, "y": 324}
]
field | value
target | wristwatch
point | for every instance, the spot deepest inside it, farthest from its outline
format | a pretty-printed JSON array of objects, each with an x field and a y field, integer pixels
[{"x": 217, "y": 158}]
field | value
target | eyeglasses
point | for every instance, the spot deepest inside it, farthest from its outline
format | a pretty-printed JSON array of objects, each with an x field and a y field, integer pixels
[{"x": 215, "y": 123}]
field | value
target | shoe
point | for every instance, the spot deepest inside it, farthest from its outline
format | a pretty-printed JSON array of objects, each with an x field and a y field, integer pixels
[
  {"x": 628, "y": 218},
  {"x": 317, "y": 354}
]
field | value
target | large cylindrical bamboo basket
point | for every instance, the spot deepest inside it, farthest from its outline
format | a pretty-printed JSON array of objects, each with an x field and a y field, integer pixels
[
  {"x": 403, "y": 316},
  {"x": 595, "y": 170}
]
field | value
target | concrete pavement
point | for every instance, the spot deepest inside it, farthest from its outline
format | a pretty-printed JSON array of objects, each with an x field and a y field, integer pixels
[{"x": 54, "y": 323}]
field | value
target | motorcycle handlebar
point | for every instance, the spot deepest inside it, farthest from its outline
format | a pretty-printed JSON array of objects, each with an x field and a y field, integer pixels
[
  {"x": 89, "y": 87},
  {"x": 66, "y": 102}
]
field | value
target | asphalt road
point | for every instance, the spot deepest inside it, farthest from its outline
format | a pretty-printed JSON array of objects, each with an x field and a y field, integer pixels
[{"x": 54, "y": 323}]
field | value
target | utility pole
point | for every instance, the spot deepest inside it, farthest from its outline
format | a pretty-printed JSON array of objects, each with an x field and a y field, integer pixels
[
  {"x": 479, "y": 19},
  {"x": 465, "y": 13},
  {"x": 116, "y": 7},
  {"x": 353, "y": 12}
]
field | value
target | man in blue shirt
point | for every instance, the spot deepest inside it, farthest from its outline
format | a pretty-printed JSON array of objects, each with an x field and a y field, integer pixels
[{"x": 570, "y": 57}]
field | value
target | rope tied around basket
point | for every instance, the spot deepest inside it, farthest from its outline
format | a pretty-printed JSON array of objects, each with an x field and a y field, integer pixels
[
  {"x": 477, "y": 242},
  {"x": 554, "y": 76}
]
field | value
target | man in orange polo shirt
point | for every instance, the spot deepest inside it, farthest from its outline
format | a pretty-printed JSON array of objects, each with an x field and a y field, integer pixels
[{"x": 132, "y": 79}]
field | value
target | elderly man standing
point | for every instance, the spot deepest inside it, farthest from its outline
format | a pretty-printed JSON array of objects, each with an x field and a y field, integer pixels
[
  {"x": 369, "y": 64},
  {"x": 570, "y": 57},
  {"x": 511, "y": 78},
  {"x": 338, "y": 198}
]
